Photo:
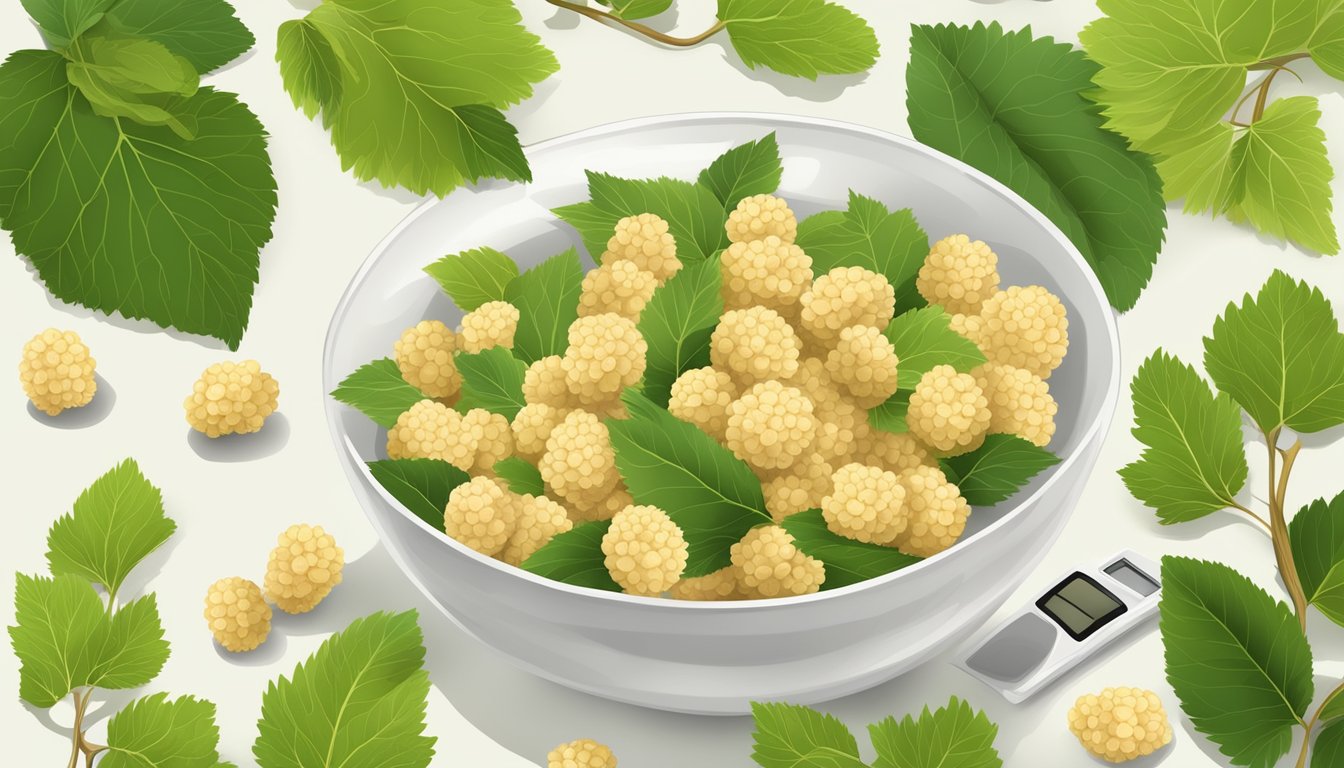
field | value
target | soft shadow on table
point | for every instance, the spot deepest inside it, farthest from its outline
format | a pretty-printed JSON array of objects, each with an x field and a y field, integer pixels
[
  {"x": 824, "y": 88},
  {"x": 229, "y": 449},
  {"x": 83, "y": 417}
]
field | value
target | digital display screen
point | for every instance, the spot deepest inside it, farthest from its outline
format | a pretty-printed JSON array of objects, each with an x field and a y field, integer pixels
[
  {"x": 1125, "y": 573},
  {"x": 1080, "y": 605}
]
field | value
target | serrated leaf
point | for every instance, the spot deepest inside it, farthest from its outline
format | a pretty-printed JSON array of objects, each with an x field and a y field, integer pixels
[
  {"x": 677, "y": 324},
  {"x": 748, "y": 169},
  {"x": 1194, "y": 458},
  {"x": 547, "y": 298},
  {"x": 309, "y": 68},
  {"x": 421, "y": 485},
  {"x": 707, "y": 491},
  {"x": 1316, "y": 534},
  {"x": 924, "y": 339},
  {"x": 154, "y": 732},
  {"x": 491, "y": 379},
  {"x": 694, "y": 215},
  {"x": 61, "y": 21},
  {"x": 794, "y": 736},
  {"x": 1014, "y": 107},
  {"x": 1281, "y": 356},
  {"x": 868, "y": 235},
  {"x": 802, "y": 38},
  {"x": 378, "y": 391},
  {"x": 1236, "y": 659},
  {"x": 521, "y": 476},
  {"x": 204, "y": 32},
  {"x": 890, "y": 415},
  {"x": 575, "y": 557},
  {"x": 144, "y": 223},
  {"x": 472, "y": 278},
  {"x": 1328, "y": 750},
  {"x": 847, "y": 561},
  {"x": 997, "y": 469},
  {"x": 358, "y": 702},
  {"x": 954, "y": 736},
  {"x": 116, "y": 523}
]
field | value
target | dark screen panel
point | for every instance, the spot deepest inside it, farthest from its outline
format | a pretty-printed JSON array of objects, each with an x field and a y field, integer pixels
[{"x": 1080, "y": 605}]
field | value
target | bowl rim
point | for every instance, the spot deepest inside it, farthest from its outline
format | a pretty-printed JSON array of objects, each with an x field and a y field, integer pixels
[{"x": 1099, "y": 424}]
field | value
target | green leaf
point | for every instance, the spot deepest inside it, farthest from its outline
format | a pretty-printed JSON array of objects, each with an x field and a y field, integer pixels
[
  {"x": 677, "y": 323},
  {"x": 205, "y": 32},
  {"x": 870, "y": 236},
  {"x": 1332, "y": 707},
  {"x": 997, "y": 469},
  {"x": 954, "y": 736},
  {"x": 547, "y": 298},
  {"x": 802, "y": 38},
  {"x": 309, "y": 68},
  {"x": 1316, "y": 534},
  {"x": 421, "y": 485},
  {"x": 1194, "y": 459},
  {"x": 794, "y": 736},
  {"x": 491, "y": 379},
  {"x": 1328, "y": 751},
  {"x": 472, "y": 278},
  {"x": 694, "y": 215},
  {"x": 116, "y": 523},
  {"x": 575, "y": 557},
  {"x": 1236, "y": 659},
  {"x": 144, "y": 222},
  {"x": 1327, "y": 45},
  {"x": 154, "y": 732},
  {"x": 748, "y": 169},
  {"x": 379, "y": 392},
  {"x": 637, "y": 9},
  {"x": 1014, "y": 107},
  {"x": 61, "y": 21},
  {"x": 1281, "y": 357},
  {"x": 890, "y": 416},
  {"x": 847, "y": 561},
  {"x": 358, "y": 702},
  {"x": 707, "y": 491},
  {"x": 65, "y": 640},
  {"x": 422, "y": 84},
  {"x": 924, "y": 339},
  {"x": 137, "y": 79},
  {"x": 522, "y": 476}
]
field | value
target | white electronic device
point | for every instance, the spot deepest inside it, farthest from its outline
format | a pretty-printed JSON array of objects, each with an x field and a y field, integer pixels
[{"x": 1081, "y": 614}]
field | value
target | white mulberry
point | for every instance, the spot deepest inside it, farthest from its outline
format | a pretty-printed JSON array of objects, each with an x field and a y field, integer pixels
[
  {"x": 761, "y": 216},
  {"x": 797, "y": 488},
  {"x": 1019, "y": 402},
  {"x": 841, "y": 425},
  {"x": 537, "y": 520},
  {"x": 1026, "y": 327},
  {"x": 644, "y": 239},
  {"x": 605, "y": 355},
  {"x": 532, "y": 427},
  {"x": 719, "y": 585},
  {"x": 754, "y": 344},
  {"x": 645, "y": 551},
  {"x": 583, "y": 753},
  {"x": 492, "y": 324},
  {"x": 937, "y": 512},
  {"x": 847, "y": 296},
  {"x": 431, "y": 430},
  {"x": 579, "y": 463},
  {"x": 493, "y": 436},
  {"x": 619, "y": 287},
  {"x": 864, "y": 363},
  {"x": 893, "y": 452},
  {"x": 304, "y": 567},
  {"x": 767, "y": 272},
  {"x": 770, "y": 425},
  {"x": 970, "y": 327},
  {"x": 544, "y": 383},
  {"x": 425, "y": 357},
  {"x": 237, "y": 614},
  {"x": 771, "y": 565},
  {"x": 481, "y": 514},
  {"x": 959, "y": 274},
  {"x": 57, "y": 371},
  {"x": 231, "y": 398},
  {"x": 948, "y": 411},
  {"x": 1120, "y": 724},
  {"x": 865, "y": 504},
  {"x": 701, "y": 396}
]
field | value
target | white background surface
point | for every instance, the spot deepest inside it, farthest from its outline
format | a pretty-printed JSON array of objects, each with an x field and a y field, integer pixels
[{"x": 485, "y": 713}]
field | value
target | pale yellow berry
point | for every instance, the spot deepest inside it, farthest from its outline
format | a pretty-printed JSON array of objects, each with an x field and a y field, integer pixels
[
  {"x": 936, "y": 509},
  {"x": 431, "y": 430},
  {"x": 532, "y": 427},
  {"x": 970, "y": 327},
  {"x": 620, "y": 287},
  {"x": 1019, "y": 402},
  {"x": 605, "y": 355},
  {"x": 303, "y": 568},
  {"x": 798, "y": 488},
  {"x": 948, "y": 411},
  {"x": 481, "y": 514},
  {"x": 865, "y": 504},
  {"x": 57, "y": 371},
  {"x": 893, "y": 452},
  {"x": 719, "y": 585},
  {"x": 754, "y": 344},
  {"x": 645, "y": 551},
  {"x": 863, "y": 363},
  {"x": 425, "y": 357},
  {"x": 490, "y": 325},
  {"x": 1026, "y": 327},
  {"x": 767, "y": 272},
  {"x": 231, "y": 398},
  {"x": 537, "y": 520},
  {"x": 579, "y": 463},
  {"x": 237, "y": 614},
  {"x": 1120, "y": 724},
  {"x": 583, "y": 753},
  {"x": 959, "y": 274},
  {"x": 841, "y": 425},
  {"x": 769, "y": 564},
  {"x": 847, "y": 296},
  {"x": 701, "y": 396},
  {"x": 761, "y": 216},
  {"x": 601, "y": 504},
  {"x": 644, "y": 240},
  {"x": 770, "y": 425},
  {"x": 493, "y": 436},
  {"x": 544, "y": 383}
]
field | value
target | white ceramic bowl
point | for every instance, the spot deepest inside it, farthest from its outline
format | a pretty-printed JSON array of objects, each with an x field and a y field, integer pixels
[{"x": 715, "y": 658}]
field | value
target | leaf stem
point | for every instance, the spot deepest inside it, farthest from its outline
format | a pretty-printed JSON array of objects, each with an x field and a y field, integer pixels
[
  {"x": 1311, "y": 724},
  {"x": 1279, "y": 62},
  {"x": 1262, "y": 97},
  {"x": 600, "y": 15},
  {"x": 1254, "y": 516},
  {"x": 1278, "y": 526},
  {"x": 78, "y": 744}
]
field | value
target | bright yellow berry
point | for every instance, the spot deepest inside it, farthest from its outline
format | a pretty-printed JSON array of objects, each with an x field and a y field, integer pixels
[
  {"x": 863, "y": 362},
  {"x": 865, "y": 504},
  {"x": 57, "y": 372},
  {"x": 537, "y": 521},
  {"x": 492, "y": 324},
  {"x": 303, "y": 568},
  {"x": 769, "y": 564},
  {"x": 431, "y": 430},
  {"x": 532, "y": 426},
  {"x": 644, "y": 239},
  {"x": 770, "y": 425},
  {"x": 231, "y": 398},
  {"x": 620, "y": 287},
  {"x": 847, "y": 296},
  {"x": 1026, "y": 327},
  {"x": 959, "y": 274},
  {"x": 605, "y": 355},
  {"x": 237, "y": 614},
  {"x": 1019, "y": 402},
  {"x": 767, "y": 272},
  {"x": 761, "y": 216},
  {"x": 948, "y": 411},
  {"x": 719, "y": 585},
  {"x": 937, "y": 512},
  {"x": 583, "y": 753},
  {"x": 1120, "y": 724},
  {"x": 754, "y": 344},
  {"x": 798, "y": 488},
  {"x": 645, "y": 551},
  {"x": 893, "y": 452},
  {"x": 579, "y": 463},
  {"x": 544, "y": 382},
  {"x": 481, "y": 514},
  {"x": 425, "y": 356},
  {"x": 701, "y": 396}
]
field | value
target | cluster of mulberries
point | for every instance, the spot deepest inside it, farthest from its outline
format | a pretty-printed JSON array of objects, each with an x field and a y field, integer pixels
[
  {"x": 701, "y": 396},
  {"x": 1120, "y": 724},
  {"x": 231, "y": 398},
  {"x": 769, "y": 273},
  {"x": 761, "y": 217},
  {"x": 619, "y": 287},
  {"x": 237, "y": 614},
  {"x": 581, "y": 753},
  {"x": 490, "y": 325},
  {"x": 605, "y": 355},
  {"x": 948, "y": 411},
  {"x": 769, "y": 564},
  {"x": 431, "y": 430},
  {"x": 579, "y": 464},
  {"x": 845, "y": 297},
  {"x": 424, "y": 354},
  {"x": 57, "y": 371},
  {"x": 770, "y": 426},
  {"x": 865, "y": 504},
  {"x": 753, "y": 345},
  {"x": 645, "y": 551},
  {"x": 645, "y": 241}
]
